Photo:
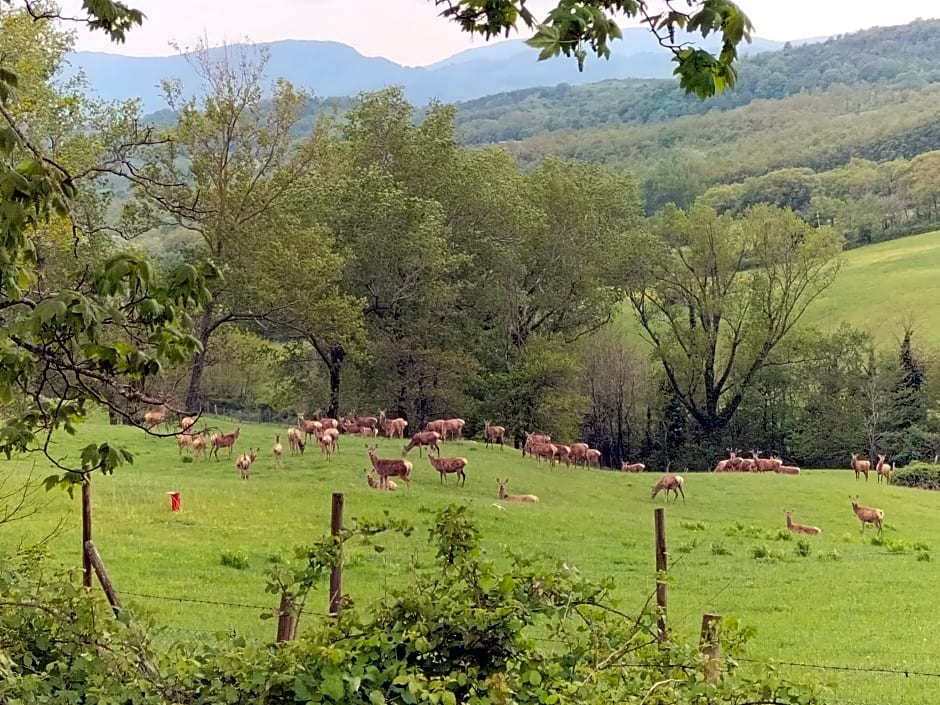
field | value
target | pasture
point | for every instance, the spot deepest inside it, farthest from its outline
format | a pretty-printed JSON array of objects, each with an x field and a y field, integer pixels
[{"x": 848, "y": 603}]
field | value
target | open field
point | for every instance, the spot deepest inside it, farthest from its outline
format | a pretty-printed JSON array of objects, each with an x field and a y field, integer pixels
[{"x": 848, "y": 603}]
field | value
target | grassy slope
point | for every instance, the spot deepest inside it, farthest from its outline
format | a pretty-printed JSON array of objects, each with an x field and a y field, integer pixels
[
  {"x": 859, "y": 610},
  {"x": 882, "y": 286}
]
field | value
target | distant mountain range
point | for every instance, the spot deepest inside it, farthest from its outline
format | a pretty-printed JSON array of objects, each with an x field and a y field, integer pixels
[{"x": 333, "y": 69}]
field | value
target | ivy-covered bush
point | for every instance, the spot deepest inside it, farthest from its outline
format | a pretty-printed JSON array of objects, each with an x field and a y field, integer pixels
[
  {"x": 462, "y": 632},
  {"x": 924, "y": 476}
]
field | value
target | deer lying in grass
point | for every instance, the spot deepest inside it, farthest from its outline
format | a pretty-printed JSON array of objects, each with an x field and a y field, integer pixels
[
  {"x": 446, "y": 466},
  {"x": 787, "y": 469},
  {"x": 632, "y": 467},
  {"x": 860, "y": 466},
  {"x": 884, "y": 469},
  {"x": 390, "y": 467},
  {"x": 867, "y": 515},
  {"x": 670, "y": 483},
  {"x": 295, "y": 439},
  {"x": 765, "y": 464},
  {"x": 493, "y": 434},
  {"x": 377, "y": 484},
  {"x": 278, "y": 451},
  {"x": 800, "y": 528},
  {"x": 245, "y": 460},
  {"x": 513, "y": 497},
  {"x": 226, "y": 440},
  {"x": 421, "y": 439}
]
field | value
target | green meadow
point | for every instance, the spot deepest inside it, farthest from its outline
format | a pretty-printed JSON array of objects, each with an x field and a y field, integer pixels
[{"x": 837, "y": 600}]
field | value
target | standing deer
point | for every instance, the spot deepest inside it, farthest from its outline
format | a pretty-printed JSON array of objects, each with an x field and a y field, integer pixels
[
  {"x": 390, "y": 467},
  {"x": 226, "y": 440},
  {"x": 867, "y": 515},
  {"x": 447, "y": 466},
  {"x": 421, "y": 439},
  {"x": 884, "y": 469},
  {"x": 245, "y": 460},
  {"x": 278, "y": 451},
  {"x": 860, "y": 466},
  {"x": 493, "y": 434}
]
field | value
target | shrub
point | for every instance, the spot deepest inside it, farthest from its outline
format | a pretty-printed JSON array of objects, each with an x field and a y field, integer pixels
[
  {"x": 719, "y": 550},
  {"x": 783, "y": 535},
  {"x": 234, "y": 559},
  {"x": 759, "y": 552},
  {"x": 923, "y": 556},
  {"x": 802, "y": 548},
  {"x": 688, "y": 546},
  {"x": 832, "y": 555},
  {"x": 924, "y": 476},
  {"x": 921, "y": 546},
  {"x": 693, "y": 525}
]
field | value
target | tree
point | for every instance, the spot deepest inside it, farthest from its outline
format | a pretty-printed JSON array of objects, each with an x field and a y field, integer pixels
[
  {"x": 716, "y": 295},
  {"x": 575, "y": 26},
  {"x": 98, "y": 339},
  {"x": 225, "y": 169}
]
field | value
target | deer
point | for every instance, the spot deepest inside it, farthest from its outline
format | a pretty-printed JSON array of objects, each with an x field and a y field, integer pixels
[
  {"x": 198, "y": 444},
  {"x": 533, "y": 438},
  {"x": 544, "y": 450},
  {"x": 326, "y": 446},
  {"x": 225, "y": 440},
  {"x": 867, "y": 515},
  {"x": 632, "y": 467},
  {"x": 593, "y": 457},
  {"x": 390, "y": 467},
  {"x": 453, "y": 428},
  {"x": 883, "y": 469},
  {"x": 421, "y": 439},
  {"x": 310, "y": 428},
  {"x": 561, "y": 455},
  {"x": 578, "y": 453},
  {"x": 860, "y": 466},
  {"x": 278, "y": 451},
  {"x": 186, "y": 424},
  {"x": 446, "y": 466},
  {"x": 325, "y": 421},
  {"x": 438, "y": 425},
  {"x": 670, "y": 483},
  {"x": 154, "y": 417},
  {"x": 514, "y": 497},
  {"x": 765, "y": 464},
  {"x": 295, "y": 439},
  {"x": 393, "y": 428},
  {"x": 369, "y": 422},
  {"x": 245, "y": 460},
  {"x": 493, "y": 434},
  {"x": 800, "y": 528},
  {"x": 377, "y": 484},
  {"x": 183, "y": 440}
]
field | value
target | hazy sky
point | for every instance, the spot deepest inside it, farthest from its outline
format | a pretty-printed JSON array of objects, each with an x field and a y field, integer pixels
[{"x": 411, "y": 33}]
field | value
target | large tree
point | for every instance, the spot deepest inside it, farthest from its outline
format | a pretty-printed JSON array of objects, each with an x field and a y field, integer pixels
[{"x": 716, "y": 295}]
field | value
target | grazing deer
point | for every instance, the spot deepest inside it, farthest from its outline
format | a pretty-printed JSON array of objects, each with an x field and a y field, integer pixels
[
  {"x": 447, "y": 466},
  {"x": 513, "y": 497},
  {"x": 493, "y": 434},
  {"x": 245, "y": 460},
  {"x": 226, "y": 440},
  {"x": 670, "y": 483},
  {"x": 867, "y": 515},
  {"x": 421, "y": 439},
  {"x": 390, "y": 467}
]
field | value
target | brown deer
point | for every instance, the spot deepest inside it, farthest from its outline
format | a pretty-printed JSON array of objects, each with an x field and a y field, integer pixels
[
  {"x": 532, "y": 439},
  {"x": 326, "y": 445},
  {"x": 245, "y": 460},
  {"x": 155, "y": 417},
  {"x": 390, "y": 467},
  {"x": 867, "y": 515},
  {"x": 593, "y": 457},
  {"x": 493, "y": 434},
  {"x": 445, "y": 466},
  {"x": 513, "y": 497},
  {"x": 543, "y": 450},
  {"x": 377, "y": 484},
  {"x": 225, "y": 440},
  {"x": 421, "y": 439},
  {"x": 670, "y": 483},
  {"x": 393, "y": 428},
  {"x": 632, "y": 467},
  {"x": 295, "y": 439},
  {"x": 453, "y": 428},
  {"x": 860, "y": 466},
  {"x": 800, "y": 528},
  {"x": 310, "y": 428},
  {"x": 765, "y": 464},
  {"x": 199, "y": 445},
  {"x": 578, "y": 453},
  {"x": 883, "y": 469},
  {"x": 186, "y": 424},
  {"x": 278, "y": 451},
  {"x": 438, "y": 425}
]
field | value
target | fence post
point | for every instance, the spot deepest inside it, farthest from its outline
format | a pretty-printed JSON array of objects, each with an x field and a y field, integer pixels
[
  {"x": 91, "y": 553},
  {"x": 660, "y": 527},
  {"x": 285, "y": 617},
  {"x": 86, "y": 529},
  {"x": 710, "y": 646},
  {"x": 336, "y": 574}
]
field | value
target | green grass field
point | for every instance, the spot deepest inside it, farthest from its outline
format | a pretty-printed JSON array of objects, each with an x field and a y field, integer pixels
[
  {"x": 848, "y": 603},
  {"x": 880, "y": 287}
]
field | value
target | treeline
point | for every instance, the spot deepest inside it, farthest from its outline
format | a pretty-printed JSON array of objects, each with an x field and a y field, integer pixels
[{"x": 901, "y": 57}]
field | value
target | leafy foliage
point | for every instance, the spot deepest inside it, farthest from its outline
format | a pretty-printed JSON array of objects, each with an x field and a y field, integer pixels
[{"x": 924, "y": 476}]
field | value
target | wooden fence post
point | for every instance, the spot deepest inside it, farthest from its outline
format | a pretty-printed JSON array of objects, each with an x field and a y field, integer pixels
[
  {"x": 286, "y": 627},
  {"x": 91, "y": 554},
  {"x": 710, "y": 646},
  {"x": 336, "y": 574},
  {"x": 86, "y": 529},
  {"x": 660, "y": 527}
]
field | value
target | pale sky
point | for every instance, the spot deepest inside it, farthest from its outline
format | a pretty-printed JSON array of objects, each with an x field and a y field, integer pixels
[{"x": 410, "y": 32}]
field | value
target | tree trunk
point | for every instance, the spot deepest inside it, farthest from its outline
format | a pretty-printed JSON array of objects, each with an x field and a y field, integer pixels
[
  {"x": 194, "y": 392},
  {"x": 337, "y": 355}
]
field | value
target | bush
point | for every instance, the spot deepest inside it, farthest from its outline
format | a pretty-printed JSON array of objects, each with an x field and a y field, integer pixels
[
  {"x": 719, "y": 550},
  {"x": 924, "y": 476},
  {"x": 803, "y": 548}
]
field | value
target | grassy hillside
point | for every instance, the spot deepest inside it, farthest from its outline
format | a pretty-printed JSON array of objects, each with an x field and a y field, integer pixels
[
  {"x": 882, "y": 286},
  {"x": 840, "y": 605}
]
